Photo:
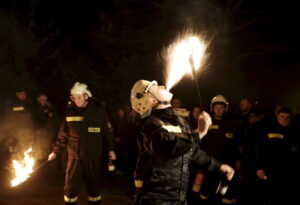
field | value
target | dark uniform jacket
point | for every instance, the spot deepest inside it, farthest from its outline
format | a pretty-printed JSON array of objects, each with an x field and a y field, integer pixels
[
  {"x": 19, "y": 108},
  {"x": 165, "y": 151},
  {"x": 220, "y": 141},
  {"x": 274, "y": 149},
  {"x": 85, "y": 132}
]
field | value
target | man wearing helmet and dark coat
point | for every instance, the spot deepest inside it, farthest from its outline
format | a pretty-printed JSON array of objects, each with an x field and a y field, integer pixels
[
  {"x": 166, "y": 148},
  {"x": 84, "y": 131},
  {"x": 221, "y": 144}
]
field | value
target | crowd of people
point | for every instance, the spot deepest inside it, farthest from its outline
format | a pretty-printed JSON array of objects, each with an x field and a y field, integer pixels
[{"x": 261, "y": 148}]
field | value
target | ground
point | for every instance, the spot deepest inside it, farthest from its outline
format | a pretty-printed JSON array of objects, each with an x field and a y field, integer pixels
[{"x": 45, "y": 187}]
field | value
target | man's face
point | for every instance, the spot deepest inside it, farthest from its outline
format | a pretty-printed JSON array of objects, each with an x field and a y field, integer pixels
[
  {"x": 42, "y": 100},
  {"x": 21, "y": 95},
  {"x": 161, "y": 93},
  {"x": 196, "y": 112},
  {"x": 219, "y": 110},
  {"x": 121, "y": 113},
  {"x": 176, "y": 103},
  {"x": 284, "y": 119},
  {"x": 245, "y": 105},
  {"x": 252, "y": 118},
  {"x": 79, "y": 100}
]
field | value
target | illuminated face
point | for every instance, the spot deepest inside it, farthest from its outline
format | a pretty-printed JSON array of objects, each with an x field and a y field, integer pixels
[
  {"x": 196, "y": 112},
  {"x": 80, "y": 100},
  {"x": 42, "y": 100},
  {"x": 219, "y": 110},
  {"x": 284, "y": 119},
  {"x": 21, "y": 95},
  {"x": 161, "y": 93}
]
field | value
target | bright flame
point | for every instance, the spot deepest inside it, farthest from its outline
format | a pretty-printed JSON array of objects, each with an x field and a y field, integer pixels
[
  {"x": 22, "y": 169},
  {"x": 179, "y": 57}
]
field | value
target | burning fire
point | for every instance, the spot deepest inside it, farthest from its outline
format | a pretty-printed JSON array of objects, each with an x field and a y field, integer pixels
[
  {"x": 182, "y": 56},
  {"x": 22, "y": 170}
]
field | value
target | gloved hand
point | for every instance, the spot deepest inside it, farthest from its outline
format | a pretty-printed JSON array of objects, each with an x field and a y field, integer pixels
[
  {"x": 51, "y": 156},
  {"x": 204, "y": 121}
]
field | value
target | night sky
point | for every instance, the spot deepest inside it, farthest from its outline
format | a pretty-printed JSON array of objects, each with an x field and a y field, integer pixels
[{"x": 49, "y": 44}]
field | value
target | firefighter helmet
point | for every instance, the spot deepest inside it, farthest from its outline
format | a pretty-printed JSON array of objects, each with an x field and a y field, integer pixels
[
  {"x": 80, "y": 89},
  {"x": 218, "y": 99},
  {"x": 140, "y": 97}
]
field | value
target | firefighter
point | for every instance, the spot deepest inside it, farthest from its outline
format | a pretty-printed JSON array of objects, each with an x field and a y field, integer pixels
[
  {"x": 274, "y": 158},
  {"x": 166, "y": 148},
  {"x": 220, "y": 144},
  {"x": 18, "y": 121},
  {"x": 84, "y": 130},
  {"x": 19, "y": 104},
  {"x": 251, "y": 188}
]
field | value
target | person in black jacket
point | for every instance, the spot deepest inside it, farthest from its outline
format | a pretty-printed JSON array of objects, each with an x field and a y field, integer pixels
[
  {"x": 166, "y": 148},
  {"x": 274, "y": 158},
  {"x": 221, "y": 144},
  {"x": 84, "y": 131}
]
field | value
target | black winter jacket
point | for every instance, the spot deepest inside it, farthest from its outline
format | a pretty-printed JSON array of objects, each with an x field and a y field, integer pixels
[{"x": 165, "y": 151}]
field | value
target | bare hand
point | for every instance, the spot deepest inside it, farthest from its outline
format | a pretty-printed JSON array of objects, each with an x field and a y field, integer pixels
[
  {"x": 261, "y": 174},
  {"x": 112, "y": 155},
  {"x": 51, "y": 156},
  {"x": 228, "y": 170}
]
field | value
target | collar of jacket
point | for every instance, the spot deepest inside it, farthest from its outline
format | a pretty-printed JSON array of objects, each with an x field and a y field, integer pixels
[{"x": 166, "y": 114}]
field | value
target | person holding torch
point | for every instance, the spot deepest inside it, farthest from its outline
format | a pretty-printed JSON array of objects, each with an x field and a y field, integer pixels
[
  {"x": 166, "y": 148},
  {"x": 83, "y": 131}
]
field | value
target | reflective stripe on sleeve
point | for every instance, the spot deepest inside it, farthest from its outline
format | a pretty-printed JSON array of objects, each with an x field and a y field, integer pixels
[
  {"x": 67, "y": 199},
  {"x": 228, "y": 201},
  {"x": 171, "y": 128},
  {"x": 229, "y": 135},
  {"x": 203, "y": 197},
  {"x": 74, "y": 119},
  {"x": 97, "y": 198}
]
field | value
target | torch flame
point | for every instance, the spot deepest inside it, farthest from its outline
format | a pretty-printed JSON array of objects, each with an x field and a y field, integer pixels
[
  {"x": 22, "y": 170},
  {"x": 182, "y": 56}
]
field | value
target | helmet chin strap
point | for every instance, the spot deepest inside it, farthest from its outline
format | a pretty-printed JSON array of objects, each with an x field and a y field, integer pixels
[
  {"x": 159, "y": 101},
  {"x": 163, "y": 102}
]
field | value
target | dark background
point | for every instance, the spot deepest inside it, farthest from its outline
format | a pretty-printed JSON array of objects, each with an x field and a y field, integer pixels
[{"x": 109, "y": 44}]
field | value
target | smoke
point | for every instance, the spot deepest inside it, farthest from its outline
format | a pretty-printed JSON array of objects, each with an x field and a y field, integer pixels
[{"x": 18, "y": 133}]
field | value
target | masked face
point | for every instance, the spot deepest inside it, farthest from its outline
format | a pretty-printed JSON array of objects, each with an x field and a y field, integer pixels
[
  {"x": 80, "y": 100},
  {"x": 161, "y": 93}
]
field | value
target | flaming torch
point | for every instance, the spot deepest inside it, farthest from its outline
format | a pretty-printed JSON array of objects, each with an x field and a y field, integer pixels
[
  {"x": 185, "y": 56},
  {"x": 22, "y": 169}
]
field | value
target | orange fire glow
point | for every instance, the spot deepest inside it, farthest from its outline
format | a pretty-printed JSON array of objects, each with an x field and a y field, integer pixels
[{"x": 23, "y": 168}]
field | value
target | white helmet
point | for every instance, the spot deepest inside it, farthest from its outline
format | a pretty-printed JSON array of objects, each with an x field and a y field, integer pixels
[
  {"x": 140, "y": 97},
  {"x": 80, "y": 89},
  {"x": 218, "y": 99}
]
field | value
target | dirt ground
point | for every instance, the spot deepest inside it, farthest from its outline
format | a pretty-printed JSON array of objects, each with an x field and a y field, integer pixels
[{"x": 45, "y": 187}]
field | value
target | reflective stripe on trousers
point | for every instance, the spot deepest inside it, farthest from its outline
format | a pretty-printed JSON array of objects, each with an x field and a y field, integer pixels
[
  {"x": 97, "y": 198},
  {"x": 70, "y": 200}
]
